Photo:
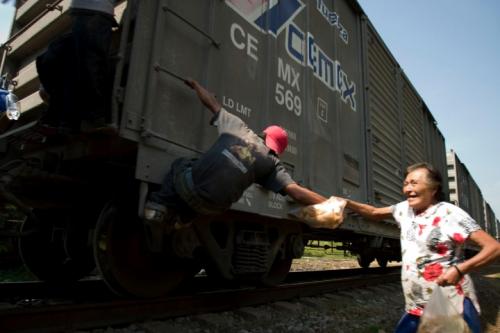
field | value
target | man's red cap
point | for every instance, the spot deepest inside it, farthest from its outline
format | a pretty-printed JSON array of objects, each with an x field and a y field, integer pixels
[{"x": 276, "y": 138}]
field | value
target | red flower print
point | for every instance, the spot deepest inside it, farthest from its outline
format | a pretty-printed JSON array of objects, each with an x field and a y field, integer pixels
[
  {"x": 416, "y": 311},
  {"x": 441, "y": 248},
  {"x": 459, "y": 289},
  {"x": 436, "y": 221},
  {"x": 420, "y": 228},
  {"x": 432, "y": 271},
  {"x": 458, "y": 238}
]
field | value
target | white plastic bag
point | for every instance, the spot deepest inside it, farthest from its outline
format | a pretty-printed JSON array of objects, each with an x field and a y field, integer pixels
[
  {"x": 440, "y": 316},
  {"x": 13, "y": 108},
  {"x": 328, "y": 214}
]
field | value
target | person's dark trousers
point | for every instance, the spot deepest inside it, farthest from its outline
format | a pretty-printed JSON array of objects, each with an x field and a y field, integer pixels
[
  {"x": 92, "y": 39},
  {"x": 471, "y": 316},
  {"x": 409, "y": 323},
  {"x": 53, "y": 67},
  {"x": 167, "y": 194}
]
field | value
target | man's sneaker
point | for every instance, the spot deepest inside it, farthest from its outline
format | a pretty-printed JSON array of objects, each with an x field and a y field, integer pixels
[
  {"x": 154, "y": 216},
  {"x": 154, "y": 212}
]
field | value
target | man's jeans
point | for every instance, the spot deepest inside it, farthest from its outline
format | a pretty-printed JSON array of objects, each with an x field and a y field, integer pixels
[{"x": 92, "y": 40}]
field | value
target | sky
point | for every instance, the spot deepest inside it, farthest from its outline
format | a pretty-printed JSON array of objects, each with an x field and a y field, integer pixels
[
  {"x": 450, "y": 51},
  {"x": 6, "y": 13}
]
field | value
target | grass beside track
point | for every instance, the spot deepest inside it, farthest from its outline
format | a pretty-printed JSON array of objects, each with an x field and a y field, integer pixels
[
  {"x": 325, "y": 249},
  {"x": 15, "y": 274}
]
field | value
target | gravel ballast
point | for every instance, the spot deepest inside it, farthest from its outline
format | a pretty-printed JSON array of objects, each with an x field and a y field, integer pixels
[{"x": 370, "y": 310}]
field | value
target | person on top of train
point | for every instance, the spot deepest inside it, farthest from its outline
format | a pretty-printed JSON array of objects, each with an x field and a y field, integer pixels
[
  {"x": 75, "y": 70},
  {"x": 433, "y": 235},
  {"x": 93, "y": 21},
  {"x": 237, "y": 159}
]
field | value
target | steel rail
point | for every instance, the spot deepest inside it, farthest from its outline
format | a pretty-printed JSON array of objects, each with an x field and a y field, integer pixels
[{"x": 67, "y": 317}]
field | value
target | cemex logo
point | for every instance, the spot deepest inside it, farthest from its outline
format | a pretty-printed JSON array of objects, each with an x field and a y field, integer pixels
[{"x": 269, "y": 16}]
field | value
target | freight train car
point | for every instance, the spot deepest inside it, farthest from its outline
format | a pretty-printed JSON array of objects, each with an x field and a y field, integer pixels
[
  {"x": 464, "y": 191},
  {"x": 497, "y": 230},
  {"x": 318, "y": 68},
  {"x": 490, "y": 219}
]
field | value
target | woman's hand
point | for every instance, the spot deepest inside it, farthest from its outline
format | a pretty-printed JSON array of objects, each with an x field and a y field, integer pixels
[{"x": 449, "y": 278}]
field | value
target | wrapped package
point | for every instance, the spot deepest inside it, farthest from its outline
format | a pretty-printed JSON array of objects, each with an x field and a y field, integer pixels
[
  {"x": 328, "y": 214},
  {"x": 440, "y": 316}
]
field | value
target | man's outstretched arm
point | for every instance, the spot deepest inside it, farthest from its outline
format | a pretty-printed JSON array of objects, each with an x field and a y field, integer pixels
[
  {"x": 303, "y": 195},
  {"x": 207, "y": 98}
]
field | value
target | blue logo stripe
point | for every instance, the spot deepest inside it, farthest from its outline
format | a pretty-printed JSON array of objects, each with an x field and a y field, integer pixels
[{"x": 278, "y": 15}]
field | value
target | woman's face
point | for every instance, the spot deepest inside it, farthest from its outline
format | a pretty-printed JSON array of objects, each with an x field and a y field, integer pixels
[{"x": 419, "y": 193}]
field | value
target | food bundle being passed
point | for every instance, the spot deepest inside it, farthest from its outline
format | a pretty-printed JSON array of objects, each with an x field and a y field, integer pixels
[{"x": 328, "y": 214}]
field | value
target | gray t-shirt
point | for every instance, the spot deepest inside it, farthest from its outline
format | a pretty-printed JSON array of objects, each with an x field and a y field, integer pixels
[
  {"x": 104, "y": 6},
  {"x": 236, "y": 160}
]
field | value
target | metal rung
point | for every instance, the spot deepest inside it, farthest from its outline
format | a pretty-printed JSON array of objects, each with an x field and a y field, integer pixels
[
  {"x": 214, "y": 42},
  {"x": 158, "y": 68},
  {"x": 6, "y": 45}
]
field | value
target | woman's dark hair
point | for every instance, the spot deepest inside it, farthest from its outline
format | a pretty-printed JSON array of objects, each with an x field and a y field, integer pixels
[{"x": 434, "y": 177}]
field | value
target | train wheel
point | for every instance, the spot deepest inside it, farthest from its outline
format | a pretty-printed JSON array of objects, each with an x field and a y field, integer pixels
[
  {"x": 125, "y": 262},
  {"x": 278, "y": 271},
  {"x": 364, "y": 260},
  {"x": 382, "y": 261},
  {"x": 58, "y": 249}
]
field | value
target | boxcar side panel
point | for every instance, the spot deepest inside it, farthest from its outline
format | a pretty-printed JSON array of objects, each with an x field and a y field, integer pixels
[{"x": 384, "y": 122}]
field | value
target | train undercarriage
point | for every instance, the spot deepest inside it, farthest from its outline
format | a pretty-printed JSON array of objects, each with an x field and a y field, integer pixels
[{"x": 82, "y": 212}]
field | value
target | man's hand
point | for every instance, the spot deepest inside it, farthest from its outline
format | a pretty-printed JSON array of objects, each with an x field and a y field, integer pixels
[{"x": 206, "y": 97}]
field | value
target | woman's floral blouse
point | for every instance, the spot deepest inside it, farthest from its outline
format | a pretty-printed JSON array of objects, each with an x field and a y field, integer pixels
[{"x": 431, "y": 242}]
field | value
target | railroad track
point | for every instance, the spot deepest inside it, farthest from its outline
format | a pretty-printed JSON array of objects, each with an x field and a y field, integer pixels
[{"x": 53, "y": 314}]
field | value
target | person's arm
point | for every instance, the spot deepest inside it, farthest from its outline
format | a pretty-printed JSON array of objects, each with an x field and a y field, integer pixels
[
  {"x": 490, "y": 251},
  {"x": 369, "y": 211},
  {"x": 303, "y": 195},
  {"x": 206, "y": 97}
]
